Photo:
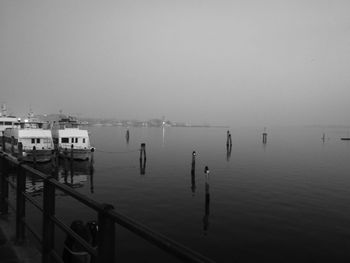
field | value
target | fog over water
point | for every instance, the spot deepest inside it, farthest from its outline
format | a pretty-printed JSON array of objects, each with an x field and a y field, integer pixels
[{"x": 221, "y": 62}]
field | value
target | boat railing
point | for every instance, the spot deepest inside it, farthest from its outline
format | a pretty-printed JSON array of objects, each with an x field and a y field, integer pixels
[{"x": 107, "y": 217}]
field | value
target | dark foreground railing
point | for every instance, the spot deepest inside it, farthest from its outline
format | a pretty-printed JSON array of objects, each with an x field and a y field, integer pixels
[{"x": 107, "y": 218}]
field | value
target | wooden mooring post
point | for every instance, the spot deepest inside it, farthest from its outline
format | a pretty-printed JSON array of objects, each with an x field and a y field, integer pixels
[
  {"x": 106, "y": 236},
  {"x": 228, "y": 139},
  {"x": 20, "y": 204},
  {"x": 34, "y": 156},
  {"x": 4, "y": 195},
  {"x": 193, "y": 173},
  {"x": 3, "y": 143},
  {"x": 264, "y": 137},
  {"x": 207, "y": 202},
  {"x": 48, "y": 224}
]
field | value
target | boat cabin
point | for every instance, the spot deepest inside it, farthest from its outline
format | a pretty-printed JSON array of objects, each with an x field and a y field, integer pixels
[{"x": 72, "y": 136}]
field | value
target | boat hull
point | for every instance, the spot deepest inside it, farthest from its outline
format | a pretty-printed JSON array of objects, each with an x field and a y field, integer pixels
[{"x": 77, "y": 154}]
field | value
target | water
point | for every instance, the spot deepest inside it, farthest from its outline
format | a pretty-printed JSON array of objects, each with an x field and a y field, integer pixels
[{"x": 286, "y": 201}]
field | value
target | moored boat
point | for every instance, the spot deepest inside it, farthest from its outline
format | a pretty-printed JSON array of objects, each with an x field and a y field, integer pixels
[
  {"x": 70, "y": 140},
  {"x": 29, "y": 140},
  {"x": 6, "y": 121}
]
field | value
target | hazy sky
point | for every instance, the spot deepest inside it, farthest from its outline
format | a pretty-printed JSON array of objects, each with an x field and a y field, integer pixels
[{"x": 223, "y": 62}]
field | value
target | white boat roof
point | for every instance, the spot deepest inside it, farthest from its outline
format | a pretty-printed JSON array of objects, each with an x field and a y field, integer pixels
[
  {"x": 34, "y": 133},
  {"x": 72, "y": 132},
  {"x": 8, "y": 118}
]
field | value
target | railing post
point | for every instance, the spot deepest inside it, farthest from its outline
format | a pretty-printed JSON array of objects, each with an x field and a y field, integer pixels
[
  {"x": 106, "y": 236},
  {"x": 3, "y": 142},
  {"x": 20, "y": 204},
  {"x": 4, "y": 186},
  {"x": 48, "y": 224}
]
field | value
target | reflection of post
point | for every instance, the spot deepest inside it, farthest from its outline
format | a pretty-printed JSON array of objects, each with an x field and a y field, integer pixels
[
  {"x": 264, "y": 136},
  {"x": 193, "y": 173},
  {"x": 34, "y": 156},
  {"x": 91, "y": 178},
  {"x": 92, "y": 156},
  {"x": 228, "y": 152},
  {"x": 143, "y": 151},
  {"x": 142, "y": 166},
  {"x": 207, "y": 203}
]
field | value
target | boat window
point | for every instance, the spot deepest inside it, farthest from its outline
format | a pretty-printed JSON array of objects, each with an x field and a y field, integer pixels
[
  {"x": 1, "y": 123},
  {"x": 8, "y": 123},
  {"x": 72, "y": 140},
  {"x": 33, "y": 141},
  {"x": 37, "y": 140},
  {"x": 83, "y": 140},
  {"x": 76, "y": 140},
  {"x": 65, "y": 140}
]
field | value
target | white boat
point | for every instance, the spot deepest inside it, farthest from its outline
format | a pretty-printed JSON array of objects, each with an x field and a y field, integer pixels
[
  {"x": 37, "y": 143},
  {"x": 6, "y": 121},
  {"x": 70, "y": 140}
]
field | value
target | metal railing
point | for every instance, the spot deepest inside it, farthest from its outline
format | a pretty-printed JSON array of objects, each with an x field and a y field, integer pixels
[{"x": 107, "y": 218}]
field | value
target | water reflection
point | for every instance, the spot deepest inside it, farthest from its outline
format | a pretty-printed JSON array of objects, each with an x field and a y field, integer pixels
[
  {"x": 163, "y": 136},
  {"x": 193, "y": 173},
  {"x": 72, "y": 173},
  {"x": 206, "y": 205},
  {"x": 228, "y": 152},
  {"x": 142, "y": 166}
]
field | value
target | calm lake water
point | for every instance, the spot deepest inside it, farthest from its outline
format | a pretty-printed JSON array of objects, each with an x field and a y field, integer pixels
[{"x": 286, "y": 201}]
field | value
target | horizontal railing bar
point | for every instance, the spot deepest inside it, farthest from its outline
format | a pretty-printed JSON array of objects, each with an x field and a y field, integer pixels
[
  {"x": 159, "y": 240},
  {"x": 55, "y": 256},
  {"x": 33, "y": 201},
  {"x": 10, "y": 158},
  {"x": 31, "y": 230},
  {"x": 34, "y": 171},
  {"x": 70, "y": 232}
]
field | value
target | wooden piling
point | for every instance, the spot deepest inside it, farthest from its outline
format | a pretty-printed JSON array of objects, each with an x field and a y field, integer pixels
[
  {"x": 12, "y": 145},
  {"x": 3, "y": 143},
  {"x": 207, "y": 202},
  {"x": 20, "y": 205},
  {"x": 264, "y": 138},
  {"x": 127, "y": 136},
  {"x": 20, "y": 151},
  {"x": 34, "y": 156},
  {"x": 228, "y": 139},
  {"x": 193, "y": 172},
  {"x": 193, "y": 164},
  {"x": 106, "y": 236},
  {"x": 4, "y": 194}
]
